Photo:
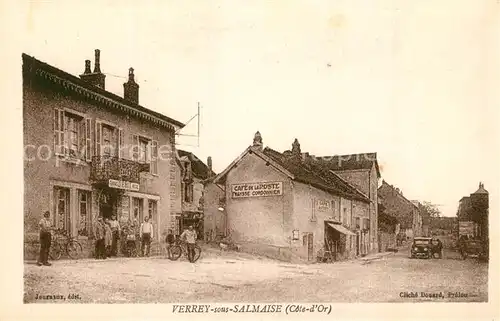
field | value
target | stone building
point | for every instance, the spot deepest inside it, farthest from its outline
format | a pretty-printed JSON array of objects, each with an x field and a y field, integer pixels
[
  {"x": 388, "y": 228},
  {"x": 473, "y": 212},
  {"x": 195, "y": 187},
  {"x": 291, "y": 207},
  {"x": 362, "y": 172},
  {"x": 89, "y": 153},
  {"x": 404, "y": 210}
]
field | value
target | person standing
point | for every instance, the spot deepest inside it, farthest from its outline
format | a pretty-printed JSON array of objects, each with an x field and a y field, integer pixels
[
  {"x": 45, "y": 239},
  {"x": 146, "y": 234},
  {"x": 99, "y": 239},
  {"x": 108, "y": 238},
  {"x": 115, "y": 235},
  {"x": 169, "y": 240},
  {"x": 136, "y": 226},
  {"x": 189, "y": 236}
]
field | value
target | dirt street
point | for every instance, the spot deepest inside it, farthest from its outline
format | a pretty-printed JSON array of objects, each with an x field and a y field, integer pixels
[{"x": 235, "y": 277}]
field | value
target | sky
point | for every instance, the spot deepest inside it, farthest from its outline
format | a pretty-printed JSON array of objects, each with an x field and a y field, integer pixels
[{"x": 413, "y": 81}]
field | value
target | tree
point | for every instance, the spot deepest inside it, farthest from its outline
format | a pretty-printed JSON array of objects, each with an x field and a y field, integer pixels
[{"x": 430, "y": 210}]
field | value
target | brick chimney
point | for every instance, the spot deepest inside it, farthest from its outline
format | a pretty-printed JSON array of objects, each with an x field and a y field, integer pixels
[
  {"x": 131, "y": 88},
  {"x": 96, "y": 78},
  {"x": 257, "y": 142},
  {"x": 209, "y": 162}
]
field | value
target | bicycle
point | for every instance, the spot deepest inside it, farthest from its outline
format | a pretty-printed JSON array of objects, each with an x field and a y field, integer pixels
[
  {"x": 64, "y": 242},
  {"x": 180, "y": 248}
]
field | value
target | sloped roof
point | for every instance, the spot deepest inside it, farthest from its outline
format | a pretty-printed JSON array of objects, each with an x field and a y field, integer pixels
[
  {"x": 221, "y": 178},
  {"x": 199, "y": 168},
  {"x": 349, "y": 162},
  {"x": 481, "y": 190},
  {"x": 74, "y": 83},
  {"x": 317, "y": 175}
]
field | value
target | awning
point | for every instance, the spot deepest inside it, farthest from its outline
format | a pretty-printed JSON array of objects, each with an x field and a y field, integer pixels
[{"x": 341, "y": 229}]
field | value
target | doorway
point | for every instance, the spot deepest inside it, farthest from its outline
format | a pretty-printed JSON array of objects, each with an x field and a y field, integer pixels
[
  {"x": 107, "y": 205},
  {"x": 307, "y": 243}
]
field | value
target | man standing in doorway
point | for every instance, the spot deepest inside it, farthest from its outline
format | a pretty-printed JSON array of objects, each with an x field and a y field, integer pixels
[
  {"x": 115, "y": 232},
  {"x": 146, "y": 233},
  {"x": 45, "y": 239},
  {"x": 189, "y": 236}
]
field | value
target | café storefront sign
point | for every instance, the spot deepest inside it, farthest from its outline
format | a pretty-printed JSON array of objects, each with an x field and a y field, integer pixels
[
  {"x": 123, "y": 185},
  {"x": 256, "y": 189}
]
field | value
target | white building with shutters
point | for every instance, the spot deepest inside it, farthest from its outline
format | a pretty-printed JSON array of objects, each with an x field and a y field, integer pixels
[{"x": 90, "y": 153}]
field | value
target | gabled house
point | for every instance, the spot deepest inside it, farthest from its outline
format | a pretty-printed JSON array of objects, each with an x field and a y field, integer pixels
[{"x": 285, "y": 206}]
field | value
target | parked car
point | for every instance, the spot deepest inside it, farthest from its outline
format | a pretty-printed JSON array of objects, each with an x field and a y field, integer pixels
[
  {"x": 421, "y": 247},
  {"x": 472, "y": 248}
]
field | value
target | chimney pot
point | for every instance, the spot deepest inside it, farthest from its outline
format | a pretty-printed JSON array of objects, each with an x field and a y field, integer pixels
[
  {"x": 209, "y": 162},
  {"x": 131, "y": 88},
  {"x": 96, "y": 78},
  {"x": 87, "y": 67},
  {"x": 97, "y": 62}
]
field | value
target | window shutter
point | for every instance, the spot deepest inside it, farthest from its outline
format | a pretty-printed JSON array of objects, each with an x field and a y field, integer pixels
[
  {"x": 82, "y": 140},
  {"x": 88, "y": 140},
  {"x": 135, "y": 148},
  {"x": 58, "y": 131},
  {"x": 154, "y": 157},
  {"x": 98, "y": 137},
  {"x": 120, "y": 142}
]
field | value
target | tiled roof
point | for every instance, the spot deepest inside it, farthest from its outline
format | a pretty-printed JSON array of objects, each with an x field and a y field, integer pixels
[
  {"x": 199, "y": 168},
  {"x": 35, "y": 66},
  {"x": 315, "y": 174},
  {"x": 349, "y": 162}
]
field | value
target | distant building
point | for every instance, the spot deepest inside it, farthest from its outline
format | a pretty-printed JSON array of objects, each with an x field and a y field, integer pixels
[
  {"x": 388, "y": 228},
  {"x": 91, "y": 153},
  {"x": 473, "y": 212},
  {"x": 290, "y": 207},
  {"x": 195, "y": 192},
  {"x": 406, "y": 212}
]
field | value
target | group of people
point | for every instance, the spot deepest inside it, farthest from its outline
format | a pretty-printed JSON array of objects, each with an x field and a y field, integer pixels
[
  {"x": 437, "y": 247},
  {"x": 108, "y": 233}
]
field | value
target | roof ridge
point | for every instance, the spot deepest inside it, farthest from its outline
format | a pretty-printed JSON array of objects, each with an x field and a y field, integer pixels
[{"x": 48, "y": 68}]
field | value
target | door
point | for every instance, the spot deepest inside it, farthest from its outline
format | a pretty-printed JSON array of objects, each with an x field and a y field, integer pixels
[{"x": 357, "y": 244}]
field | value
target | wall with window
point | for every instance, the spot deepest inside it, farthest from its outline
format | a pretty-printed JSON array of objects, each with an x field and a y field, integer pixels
[
  {"x": 62, "y": 134},
  {"x": 311, "y": 207}
]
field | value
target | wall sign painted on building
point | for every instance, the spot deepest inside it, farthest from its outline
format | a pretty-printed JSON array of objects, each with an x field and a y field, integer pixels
[
  {"x": 123, "y": 185},
  {"x": 256, "y": 189},
  {"x": 466, "y": 228},
  {"x": 323, "y": 205}
]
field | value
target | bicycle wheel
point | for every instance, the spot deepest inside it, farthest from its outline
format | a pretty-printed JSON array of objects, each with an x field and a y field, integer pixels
[
  {"x": 197, "y": 253},
  {"x": 175, "y": 252},
  {"x": 74, "y": 249},
  {"x": 55, "y": 251}
]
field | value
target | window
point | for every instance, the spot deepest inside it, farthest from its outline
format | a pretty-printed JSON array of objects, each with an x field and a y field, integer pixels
[
  {"x": 344, "y": 218},
  {"x": 366, "y": 225},
  {"x": 138, "y": 208},
  {"x": 71, "y": 135},
  {"x": 152, "y": 209},
  {"x": 109, "y": 141},
  {"x": 146, "y": 152},
  {"x": 143, "y": 150},
  {"x": 84, "y": 213},
  {"x": 62, "y": 204},
  {"x": 358, "y": 222},
  {"x": 188, "y": 192}
]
